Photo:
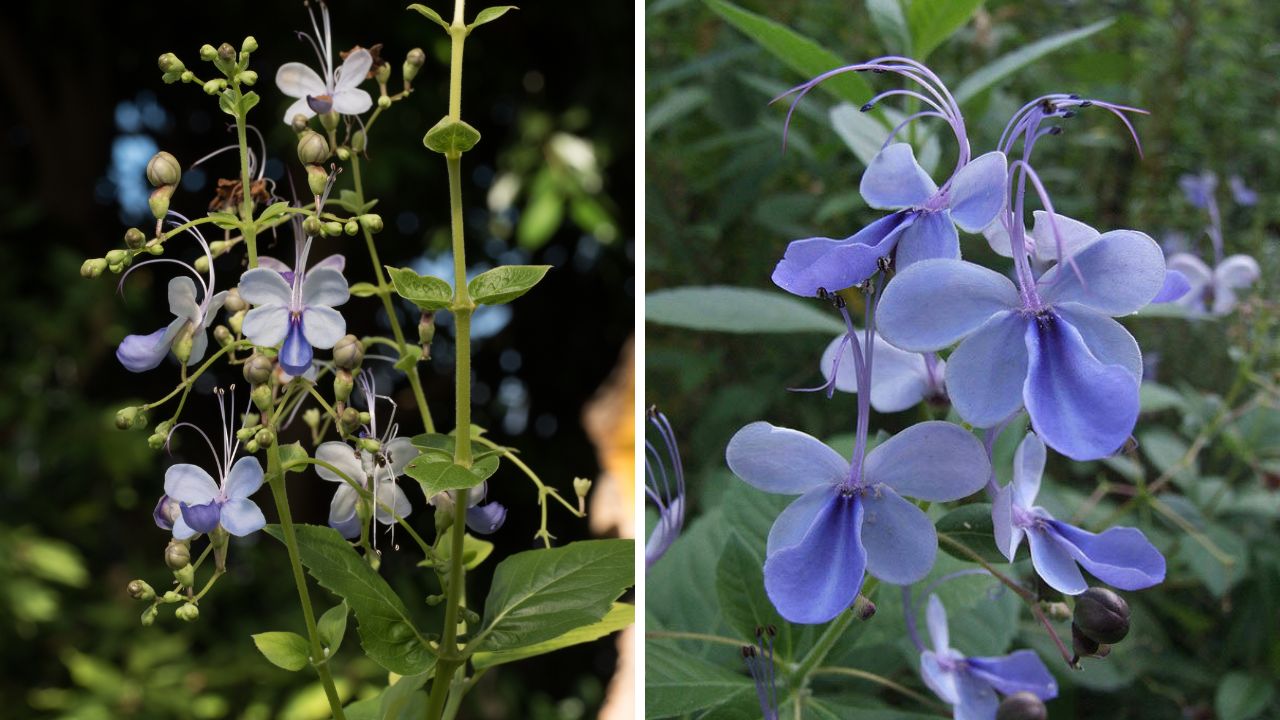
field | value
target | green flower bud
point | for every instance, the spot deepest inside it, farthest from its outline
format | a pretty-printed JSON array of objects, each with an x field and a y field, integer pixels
[
  {"x": 351, "y": 228},
  {"x": 369, "y": 444},
  {"x": 171, "y": 596},
  {"x": 863, "y": 608},
  {"x": 1022, "y": 706},
  {"x": 384, "y": 102},
  {"x": 93, "y": 267},
  {"x": 348, "y": 353},
  {"x": 332, "y": 229},
  {"x": 130, "y": 417},
  {"x": 155, "y": 249},
  {"x": 170, "y": 64},
  {"x": 312, "y": 147},
  {"x": 177, "y": 555},
  {"x": 265, "y": 437},
  {"x": 365, "y": 417},
  {"x": 311, "y": 416},
  {"x": 187, "y": 613},
  {"x": 350, "y": 419},
  {"x": 358, "y": 140},
  {"x": 188, "y": 76},
  {"x": 140, "y": 590},
  {"x": 234, "y": 303},
  {"x": 149, "y": 616},
  {"x": 133, "y": 237},
  {"x": 185, "y": 575},
  {"x": 383, "y": 73},
  {"x": 426, "y": 331},
  {"x": 344, "y": 154},
  {"x": 581, "y": 486},
  {"x": 208, "y": 52},
  {"x": 223, "y": 336},
  {"x": 183, "y": 342},
  {"x": 342, "y": 385},
  {"x": 236, "y": 321},
  {"x": 257, "y": 369},
  {"x": 251, "y": 447},
  {"x": 250, "y": 45},
  {"x": 226, "y": 53},
  {"x": 312, "y": 226},
  {"x": 1102, "y": 615},
  {"x": 413, "y": 62},
  {"x": 299, "y": 122},
  {"x": 248, "y": 77},
  {"x": 213, "y": 87},
  {"x": 434, "y": 600},
  {"x": 317, "y": 179},
  {"x": 159, "y": 201},
  {"x": 371, "y": 222},
  {"x": 119, "y": 257},
  {"x": 261, "y": 395},
  {"x": 163, "y": 169},
  {"x": 157, "y": 440},
  {"x": 246, "y": 433}
]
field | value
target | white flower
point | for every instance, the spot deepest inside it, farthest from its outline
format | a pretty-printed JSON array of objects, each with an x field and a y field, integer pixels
[{"x": 335, "y": 91}]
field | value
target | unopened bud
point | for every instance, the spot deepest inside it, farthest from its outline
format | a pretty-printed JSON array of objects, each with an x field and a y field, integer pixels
[
  {"x": 251, "y": 447},
  {"x": 265, "y": 437},
  {"x": 1102, "y": 615},
  {"x": 344, "y": 154},
  {"x": 248, "y": 77},
  {"x": 149, "y": 616},
  {"x": 384, "y": 102},
  {"x": 159, "y": 201},
  {"x": 247, "y": 432},
  {"x": 163, "y": 169},
  {"x": 312, "y": 148},
  {"x": 317, "y": 179},
  {"x": 359, "y": 140},
  {"x": 208, "y": 52},
  {"x": 332, "y": 228},
  {"x": 1022, "y": 706},
  {"x": 140, "y": 590},
  {"x": 261, "y": 395},
  {"x": 426, "y": 330},
  {"x": 863, "y": 608},
  {"x": 223, "y": 336},
  {"x": 370, "y": 445},
  {"x": 234, "y": 303},
  {"x": 351, "y": 228},
  {"x": 118, "y": 257},
  {"x": 329, "y": 120},
  {"x": 365, "y": 417},
  {"x": 371, "y": 222},
  {"x": 350, "y": 419},
  {"x": 312, "y": 226},
  {"x": 177, "y": 555},
  {"x": 250, "y": 45},
  {"x": 383, "y": 73},
  {"x": 169, "y": 63},
  {"x": 311, "y": 416},
  {"x": 342, "y": 385},
  {"x": 134, "y": 238},
  {"x": 298, "y": 123},
  {"x": 130, "y": 417},
  {"x": 187, "y": 613},
  {"x": 226, "y": 53},
  {"x": 183, "y": 343},
  {"x": 93, "y": 267},
  {"x": 348, "y": 353},
  {"x": 213, "y": 87},
  {"x": 236, "y": 321},
  {"x": 581, "y": 486},
  {"x": 1083, "y": 645},
  {"x": 185, "y": 575},
  {"x": 413, "y": 62},
  {"x": 171, "y": 596},
  {"x": 257, "y": 369}
]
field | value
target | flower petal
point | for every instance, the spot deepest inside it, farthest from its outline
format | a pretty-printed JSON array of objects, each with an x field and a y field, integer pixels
[
  {"x": 181, "y": 530},
  {"x": 189, "y": 484},
  {"x": 242, "y": 517},
  {"x": 977, "y": 191},
  {"x": 399, "y": 452},
  {"x": 297, "y": 80},
  {"x": 935, "y": 615},
  {"x": 894, "y": 180},
  {"x": 486, "y": 519},
  {"x": 344, "y": 458},
  {"x": 244, "y": 478},
  {"x": 1053, "y": 562},
  {"x": 296, "y": 352},
  {"x": 342, "y": 512},
  {"x": 1008, "y": 535},
  {"x": 941, "y": 682},
  {"x": 1122, "y": 271},
  {"x": 354, "y": 70},
  {"x": 784, "y": 461},
  {"x": 324, "y": 286},
  {"x": 263, "y": 286},
  {"x": 336, "y": 261},
  {"x": 796, "y": 519},
  {"x": 391, "y": 503},
  {"x": 1119, "y": 556},
  {"x": 1237, "y": 271},
  {"x": 202, "y": 518},
  {"x": 182, "y": 298},
  {"x": 270, "y": 263},
  {"x": 1078, "y": 406},
  {"x": 351, "y": 102},
  {"x": 986, "y": 372},
  {"x": 140, "y": 353},
  {"x": 934, "y": 460},
  {"x": 818, "y": 578},
  {"x": 199, "y": 343},
  {"x": 1176, "y": 285},
  {"x": 977, "y": 701},
  {"x": 323, "y": 327},
  {"x": 931, "y": 236},
  {"x": 266, "y": 325},
  {"x": 1107, "y": 339},
  {"x": 1001, "y": 242},
  {"x": 898, "y": 538},
  {"x": 934, "y": 303},
  {"x": 1021, "y": 671},
  {"x": 1028, "y": 468},
  {"x": 825, "y": 263},
  {"x": 299, "y": 107},
  {"x": 1196, "y": 272},
  {"x": 665, "y": 532},
  {"x": 899, "y": 379},
  {"x": 1072, "y": 234}
]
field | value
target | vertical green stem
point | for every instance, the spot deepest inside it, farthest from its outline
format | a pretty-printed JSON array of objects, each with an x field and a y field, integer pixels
[{"x": 249, "y": 230}]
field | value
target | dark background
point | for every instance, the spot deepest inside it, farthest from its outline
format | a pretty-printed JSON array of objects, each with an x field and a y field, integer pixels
[{"x": 79, "y": 95}]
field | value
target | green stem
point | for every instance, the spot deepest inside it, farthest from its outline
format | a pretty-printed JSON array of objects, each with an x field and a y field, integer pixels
[
  {"x": 249, "y": 230},
  {"x": 827, "y": 640}
]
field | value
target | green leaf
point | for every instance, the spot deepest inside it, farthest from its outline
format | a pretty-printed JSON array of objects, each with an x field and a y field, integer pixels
[
  {"x": 971, "y": 526},
  {"x": 740, "y": 588},
  {"x": 890, "y": 22},
  {"x": 387, "y": 633},
  {"x": 292, "y": 455},
  {"x": 504, "y": 284},
  {"x": 677, "y": 682},
  {"x": 364, "y": 289},
  {"x": 437, "y": 474},
  {"x": 412, "y": 354},
  {"x": 396, "y": 698},
  {"x": 1007, "y": 64},
  {"x": 430, "y": 14},
  {"x": 1155, "y": 397},
  {"x": 541, "y": 217},
  {"x": 865, "y": 134},
  {"x": 425, "y": 291},
  {"x": 798, "y": 52},
  {"x": 273, "y": 211},
  {"x": 619, "y": 616},
  {"x": 1165, "y": 449},
  {"x": 737, "y": 310},
  {"x": 333, "y": 627},
  {"x": 541, "y": 594},
  {"x": 933, "y": 21},
  {"x": 1241, "y": 696},
  {"x": 227, "y": 102},
  {"x": 285, "y": 650},
  {"x": 225, "y": 220},
  {"x": 474, "y": 550},
  {"x": 488, "y": 15},
  {"x": 451, "y": 137},
  {"x": 248, "y": 101}
]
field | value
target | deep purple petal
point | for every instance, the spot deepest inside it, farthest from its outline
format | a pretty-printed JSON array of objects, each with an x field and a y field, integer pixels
[
  {"x": 829, "y": 264},
  {"x": 934, "y": 460},
  {"x": 486, "y": 519},
  {"x": 1054, "y": 563},
  {"x": 296, "y": 353},
  {"x": 202, "y": 518},
  {"x": 1120, "y": 556},
  {"x": 1106, "y": 339},
  {"x": 1117, "y": 274},
  {"x": 1021, "y": 671},
  {"x": 818, "y": 578},
  {"x": 978, "y": 191},
  {"x": 1175, "y": 286},
  {"x": 934, "y": 303},
  {"x": 894, "y": 180},
  {"x": 932, "y": 236},
  {"x": 899, "y": 538},
  {"x": 784, "y": 461},
  {"x": 1078, "y": 406},
  {"x": 986, "y": 372}
]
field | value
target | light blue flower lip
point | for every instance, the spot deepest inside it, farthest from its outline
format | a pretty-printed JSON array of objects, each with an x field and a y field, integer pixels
[{"x": 666, "y": 490}]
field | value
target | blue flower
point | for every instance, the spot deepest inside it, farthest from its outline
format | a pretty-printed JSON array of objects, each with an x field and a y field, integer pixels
[
  {"x": 664, "y": 490},
  {"x": 295, "y": 307},
  {"x": 1121, "y": 556},
  {"x": 899, "y": 379},
  {"x": 377, "y": 473},
  {"x": 1049, "y": 345},
  {"x": 337, "y": 91},
  {"x": 851, "y": 518},
  {"x": 1213, "y": 291},
  {"x": 1242, "y": 193},
  {"x": 970, "y": 685},
  {"x": 206, "y": 505}
]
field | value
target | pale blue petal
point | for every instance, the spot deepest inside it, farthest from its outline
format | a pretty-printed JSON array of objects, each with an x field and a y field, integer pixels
[
  {"x": 199, "y": 343},
  {"x": 337, "y": 262},
  {"x": 935, "y": 303},
  {"x": 1001, "y": 241},
  {"x": 399, "y": 452},
  {"x": 1028, "y": 468},
  {"x": 1107, "y": 339},
  {"x": 665, "y": 532},
  {"x": 894, "y": 180},
  {"x": 978, "y": 700},
  {"x": 780, "y": 460},
  {"x": 342, "y": 512},
  {"x": 986, "y": 372},
  {"x": 1120, "y": 556},
  {"x": 977, "y": 191},
  {"x": 941, "y": 682},
  {"x": 263, "y": 286},
  {"x": 898, "y": 537},
  {"x": 1175, "y": 286},
  {"x": 344, "y": 458},
  {"x": 182, "y": 298},
  {"x": 824, "y": 263},
  {"x": 322, "y": 326},
  {"x": 140, "y": 353},
  {"x": 1054, "y": 564},
  {"x": 816, "y": 579},
  {"x": 935, "y": 615},
  {"x": 181, "y": 530},
  {"x": 244, "y": 479},
  {"x": 242, "y": 517},
  {"x": 266, "y": 325},
  {"x": 189, "y": 484},
  {"x": 932, "y": 236},
  {"x": 324, "y": 286},
  {"x": 1008, "y": 536},
  {"x": 392, "y": 503},
  {"x": 796, "y": 519},
  {"x": 279, "y": 266},
  {"x": 1122, "y": 271},
  {"x": 899, "y": 379},
  {"x": 935, "y": 460},
  {"x": 1073, "y": 235},
  {"x": 1078, "y": 406},
  {"x": 1020, "y": 671}
]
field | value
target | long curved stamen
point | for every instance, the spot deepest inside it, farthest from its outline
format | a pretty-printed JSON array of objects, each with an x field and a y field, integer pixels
[
  {"x": 907, "y": 121},
  {"x": 204, "y": 245},
  {"x": 312, "y": 41},
  {"x": 191, "y": 269},
  {"x": 217, "y": 459},
  {"x": 902, "y": 92},
  {"x": 1027, "y": 172}
]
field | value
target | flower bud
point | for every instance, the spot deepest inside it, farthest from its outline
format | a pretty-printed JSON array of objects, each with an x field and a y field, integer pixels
[
  {"x": 133, "y": 237},
  {"x": 261, "y": 395},
  {"x": 187, "y": 613},
  {"x": 119, "y": 257},
  {"x": 246, "y": 433},
  {"x": 1102, "y": 615},
  {"x": 140, "y": 590},
  {"x": 371, "y": 222},
  {"x": 251, "y": 447},
  {"x": 350, "y": 419},
  {"x": 183, "y": 343},
  {"x": 163, "y": 169},
  {"x": 257, "y": 369},
  {"x": 863, "y": 608},
  {"x": 332, "y": 228},
  {"x": 159, "y": 201},
  {"x": 250, "y": 45},
  {"x": 226, "y": 53},
  {"x": 1022, "y": 706},
  {"x": 344, "y": 154},
  {"x": 384, "y": 102},
  {"x": 312, "y": 148},
  {"x": 317, "y": 179},
  {"x": 236, "y": 321},
  {"x": 170, "y": 64},
  {"x": 177, "y": 555},
  {"x": 581, "y": 486},
  {"x": 157, "y": 440},
  {"x": 185, "y": 575},
  {"x": 155, "y": 249},
  {"x": 171, "y": 596},
  {"x": 208, "y": 52},
  {"x": 358, "y": 140},
  {"x": 426, "y": 331},
  {"x": 265, "y": 437},
  {"x": 348, "y": 353},
  {"x": 93, "y": 267},
  {"x": 342, "y": 385},
  {"x": 213, "y": 87},
  {"x": 413, "y": 62},
  {"x": 249, "y": 77},
  {"x": 383, "y": 73},
  {"x": 351, "y": 228},
  {"x": 298, "y": 123},
  {"x": 234, "y": 303},
  {"x": 188, "y": 76},
  {"x": 312, "y": 226},
  {"x": 1084, "y": 646},
  {"x": 370, "y": 445},
  {"x": 311, "y": 416},
  {"x": 223, "y": 336},
  {"x": 149, "y": 616},
  {"x": 130, "y": 417},
  {"x": 365, "y": 417}
]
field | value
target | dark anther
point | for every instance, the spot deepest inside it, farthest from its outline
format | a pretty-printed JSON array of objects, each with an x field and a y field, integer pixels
[
  {"x": 868, "y": 106},
  {"x": 773, "y": 631},
  {"x": 1069, "y": 114},
  {"x": 1055, "y": 130},
  {"x": 748, "y": 651},
  {"x": 1048, "y": 106},
  {"x": 839, "y": 302},
  {"x": 884, "y": 263},
  {"x": 822, "y": 293},
  {"x": 878, "y": 71},
  {"x": 1086, "y": 103},
  {"x": 1074, "y": 96}
]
